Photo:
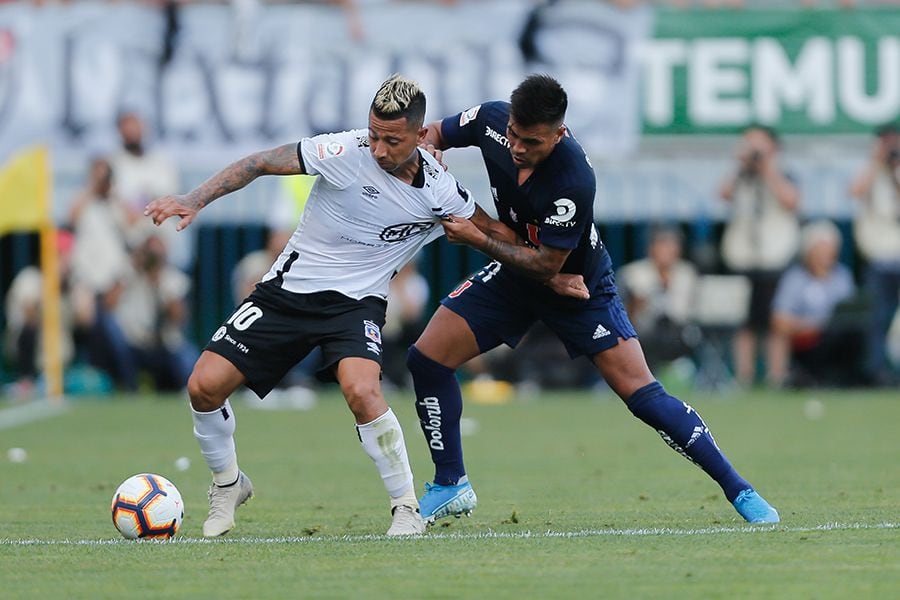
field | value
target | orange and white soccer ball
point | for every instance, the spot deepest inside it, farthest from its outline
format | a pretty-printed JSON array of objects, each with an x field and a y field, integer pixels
[{"x": 147, "y": 506}]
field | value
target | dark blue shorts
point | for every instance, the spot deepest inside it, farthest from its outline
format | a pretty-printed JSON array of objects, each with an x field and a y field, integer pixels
[{"x": 500, "y": 306}]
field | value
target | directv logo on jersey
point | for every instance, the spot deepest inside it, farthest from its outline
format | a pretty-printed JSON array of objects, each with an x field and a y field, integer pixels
[
  {"x": 500, "y": 139},
  {"x": 565, "y": 210}
]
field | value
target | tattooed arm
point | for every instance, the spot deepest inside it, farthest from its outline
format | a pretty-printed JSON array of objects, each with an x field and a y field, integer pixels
[
  {"x": 540, "y": 263},
  {"x": 282, "y": 160}
]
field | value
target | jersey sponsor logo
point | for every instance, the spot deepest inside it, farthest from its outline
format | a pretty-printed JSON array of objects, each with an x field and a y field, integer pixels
[
  {"x": 565, "y": 211},
  {"x": 370, "y": 191},
  {"x": 601, "y": 331},
  {"x": 595, "y": 237},
  {"x": 500, "y": 139},
  {"x": 373, "y": 347},
  {"x": 468, "y": 116},
  {"x": 219, "y": 334},
  {"x": 362, "y": 141},
  {"x": 372, "y": 331},
  {"x": 402, "y": 231}
]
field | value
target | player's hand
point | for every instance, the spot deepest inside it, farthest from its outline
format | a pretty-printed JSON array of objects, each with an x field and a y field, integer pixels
[
  {"x": 171, "y": 206},
  {"x": 461, "y": 231},
  {"x": 436, "y": 153},
  {"x": 569, "y": 284}
]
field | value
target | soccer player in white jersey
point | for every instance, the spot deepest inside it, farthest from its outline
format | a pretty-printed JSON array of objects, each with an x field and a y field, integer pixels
[{"x": 377, "y": 200}]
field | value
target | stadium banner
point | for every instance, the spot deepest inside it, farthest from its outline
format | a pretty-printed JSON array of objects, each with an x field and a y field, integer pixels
[
  {"x": 800, "y": 71},
  {"x": 219, "y": 79}
]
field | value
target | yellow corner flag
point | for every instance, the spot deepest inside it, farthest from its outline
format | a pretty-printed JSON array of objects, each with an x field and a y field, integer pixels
[
  {"x": 25, "y": 206},
  {"x": 25, "y": 191}
]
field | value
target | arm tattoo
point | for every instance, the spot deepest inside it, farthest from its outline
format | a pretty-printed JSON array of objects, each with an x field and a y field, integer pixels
[
  {"x": 521, "y": 258},
  {"x": 278, "y": 161}
]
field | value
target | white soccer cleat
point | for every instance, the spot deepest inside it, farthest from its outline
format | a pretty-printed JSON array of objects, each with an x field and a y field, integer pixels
[
  {"x": 407, "y": 521},
  {"x": 222, "y": 503}
]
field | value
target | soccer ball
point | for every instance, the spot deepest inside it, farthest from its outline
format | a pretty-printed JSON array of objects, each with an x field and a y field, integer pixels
[{"x": 147, "y": 506}]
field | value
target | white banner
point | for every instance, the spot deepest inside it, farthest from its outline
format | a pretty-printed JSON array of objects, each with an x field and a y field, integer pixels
[{"x": 236, "y": 82}]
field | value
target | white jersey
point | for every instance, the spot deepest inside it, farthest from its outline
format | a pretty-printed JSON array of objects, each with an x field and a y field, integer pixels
[{"x": 361, "y": 224}]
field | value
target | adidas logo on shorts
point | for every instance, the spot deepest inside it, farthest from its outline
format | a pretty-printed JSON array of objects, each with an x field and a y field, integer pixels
[{"x": 601, "y": 331}]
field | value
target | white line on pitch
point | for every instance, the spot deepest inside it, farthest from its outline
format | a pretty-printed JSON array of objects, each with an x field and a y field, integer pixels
[
  {"x": 487, "y": 535},
  {"x": 32, "y": 411}
]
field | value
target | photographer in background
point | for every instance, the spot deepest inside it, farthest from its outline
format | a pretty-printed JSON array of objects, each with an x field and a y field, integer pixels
[
  {"x": 761, "y": 237},
  {"x": 876, "y": 230}
]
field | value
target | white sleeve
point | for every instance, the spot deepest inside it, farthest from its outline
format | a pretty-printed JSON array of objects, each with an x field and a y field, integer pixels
[
  {"x": 334, "y": 156},
  {"x": 452, "y": 197}
]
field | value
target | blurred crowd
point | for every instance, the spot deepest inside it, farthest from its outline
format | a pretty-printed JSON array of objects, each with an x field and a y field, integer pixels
[
  {"x": 790, "y": 312},
  {"x": 800, "y": 317}
]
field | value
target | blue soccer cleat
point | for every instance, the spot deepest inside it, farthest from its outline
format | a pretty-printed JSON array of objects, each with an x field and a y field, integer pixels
[
  {"x": 754, "y": 508},
  {"x": 442, "y": 501}
]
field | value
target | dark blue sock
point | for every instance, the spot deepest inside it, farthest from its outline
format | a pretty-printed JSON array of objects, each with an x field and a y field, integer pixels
[
  {"x": 439, "y": 404},
  {"x": 684, "y": 430}
]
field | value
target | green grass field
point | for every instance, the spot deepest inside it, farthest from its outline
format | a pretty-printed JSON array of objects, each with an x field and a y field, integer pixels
[{"x": 577, "y": 499}]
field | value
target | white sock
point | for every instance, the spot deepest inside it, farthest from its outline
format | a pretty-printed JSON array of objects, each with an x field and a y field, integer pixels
[
  {"x": 215, "y": 432},
  {"x": 382, "y": 439}
]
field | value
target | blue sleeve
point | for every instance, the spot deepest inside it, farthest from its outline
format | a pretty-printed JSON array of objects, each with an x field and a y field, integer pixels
[
  {"x": 564, "y": 223},
  {"x": 462, "y": 129}
]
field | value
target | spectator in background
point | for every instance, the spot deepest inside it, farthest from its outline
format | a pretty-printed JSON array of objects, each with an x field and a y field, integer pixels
[
  {"x": 100, "y": 222},
  {"x": 250, "y": 269},
  {"x": 658, "y": 293},
  {"x": 820, "y": 349},
  {"x": 142, "y": 174},
  {"x": 761, "y": 237},
  {"x": 876, "y": 230},
  {"x": 149, "y": 310},
  {"x": 24, "y": 323}
]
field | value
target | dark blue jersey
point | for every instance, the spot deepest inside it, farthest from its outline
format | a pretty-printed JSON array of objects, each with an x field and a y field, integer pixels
[{"x": 555, "y": 205}]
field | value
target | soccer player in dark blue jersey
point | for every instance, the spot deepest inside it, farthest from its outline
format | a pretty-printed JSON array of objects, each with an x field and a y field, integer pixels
[{"x": 543, "y": 187}]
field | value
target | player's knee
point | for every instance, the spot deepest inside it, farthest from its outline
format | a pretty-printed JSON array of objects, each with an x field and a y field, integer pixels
[
  {"x": 364, "y": 399},
  {"x": 203, "y": 391},
  {"x": 420, "y": 365},
  {"x": 360, "y": 391}
]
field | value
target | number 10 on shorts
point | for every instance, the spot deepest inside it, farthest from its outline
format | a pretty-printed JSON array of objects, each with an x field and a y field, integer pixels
[{"x": 245, "y": 316}]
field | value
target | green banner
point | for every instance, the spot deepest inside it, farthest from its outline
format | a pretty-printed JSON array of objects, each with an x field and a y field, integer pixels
[{"x": 800, "y": 71}]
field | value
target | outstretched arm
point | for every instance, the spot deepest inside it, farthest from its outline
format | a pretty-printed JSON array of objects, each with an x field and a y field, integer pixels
[{"x": 282, "y": 160}]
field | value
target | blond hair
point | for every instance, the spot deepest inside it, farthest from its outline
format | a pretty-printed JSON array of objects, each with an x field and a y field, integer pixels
[{"x": 399, "y": 97}]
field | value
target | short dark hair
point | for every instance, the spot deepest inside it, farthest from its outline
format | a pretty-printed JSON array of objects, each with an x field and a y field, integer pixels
[
  {"x": 538, "y": 100},
  {"x": 887, "y": 129},
  {"x": 770, "y": 132},
  {"x": 398, "y": 98}
]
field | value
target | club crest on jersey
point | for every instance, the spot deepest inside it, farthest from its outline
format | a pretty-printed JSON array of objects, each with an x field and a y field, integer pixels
[
  {"x": 565, "y": 210},
  {"x": 370, "y": 191},
  {"x": 401, "y": 231},
  {"x": 373, "y": 332},
  {"x": 329, "y": 150},
  {"x": 468, "y": 116}
]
